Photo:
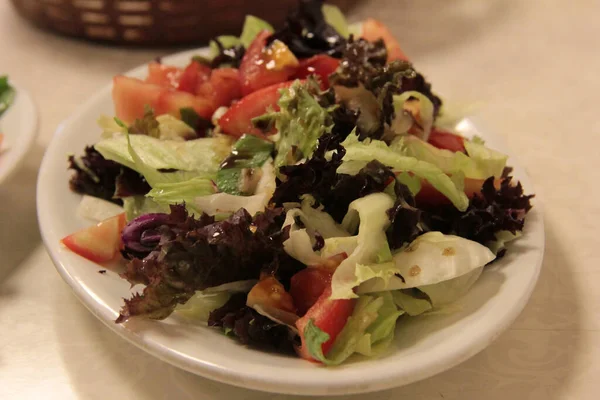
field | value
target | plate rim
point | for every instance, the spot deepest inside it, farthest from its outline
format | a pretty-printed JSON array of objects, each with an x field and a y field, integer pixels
[
  {"x": 28, "y": 133},
  {"x": 249, "y": 379}
]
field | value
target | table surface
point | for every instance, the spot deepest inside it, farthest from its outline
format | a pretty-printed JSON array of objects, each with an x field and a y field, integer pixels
[{"x": 533, "y": 65}]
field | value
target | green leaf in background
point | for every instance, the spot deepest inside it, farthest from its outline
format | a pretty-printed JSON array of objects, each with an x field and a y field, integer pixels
[
  {"x": 334, "y": 17},
  {"x": 7, "y": 94},
  {"x": 252, "y": 27},
  {"x": 227, "y": 41},
  {"x": 249, "y": 152}
]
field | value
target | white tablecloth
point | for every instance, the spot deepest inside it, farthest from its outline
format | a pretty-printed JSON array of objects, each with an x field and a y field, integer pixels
[{"x": 535, "y": 68}]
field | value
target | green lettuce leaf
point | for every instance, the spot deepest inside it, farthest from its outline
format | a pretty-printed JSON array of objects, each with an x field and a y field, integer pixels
[
  {"x": 300, "y": 122},
  {"x": 502, "y": 238},
  {"x": 369, "y": 215},
  {"x": 430, "y": 259},
  {"x": 449, "y": 291},
  {"x": 490, "y": 161},
  {"x": 404, "y": 119},
  {"x": 369, "y": 330},
  {"x": 379, "y": 150},
  {"x": 139, "y": 205},
  {"x": 7, "y": 94},
  {"x": 177, "y": 192},
  {"x": 305, "y": 222},
  {"x": 412, "y": 301},
  {"x": 199, "y": 155},
  {"x": 199, "y": 306},
  {"x": 480, "y": 163},
  {"x": 334, "y": 17},
  {"x": 252, "y": 27},
  {"x": 247, "y": 155},
  {"x": 225, "y": 203},
  {"x": 365, "y": 313}
]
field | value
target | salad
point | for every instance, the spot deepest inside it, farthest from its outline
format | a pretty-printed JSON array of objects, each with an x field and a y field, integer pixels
[
  {"x": 7, "y": 96},
  {"x": 300, "y": 189}
]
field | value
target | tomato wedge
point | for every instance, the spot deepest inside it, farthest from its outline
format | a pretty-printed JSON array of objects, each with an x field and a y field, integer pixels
[
  {"x": 221, "y": 88},
  {"x": 193, "y": 75},
  {"x": 373, "y": 30},
  {"x": 163, "y": 75},
  {"x": 99, "y": 243},
  {"x": 307, "y": 286},
  {"x": 320, "y": 65},
  {"x": 131, "y": 96},
  {"x": 259, "y": 69},
  {"x": 328, "y": 315},
  {"x": 446, "y": 140},
  {"x": 172, "y": 101},
  {"x": 238, "y": 119}
]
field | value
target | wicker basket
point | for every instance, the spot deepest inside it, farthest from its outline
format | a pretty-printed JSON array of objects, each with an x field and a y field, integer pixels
[{"x": 151, "y": 22}]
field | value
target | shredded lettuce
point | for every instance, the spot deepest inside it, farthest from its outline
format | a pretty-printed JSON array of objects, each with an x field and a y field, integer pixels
[
  {"x": 238, "y": 171},
  {"x": 185, "y": 191},
  {"x": 412, "y": 304},
  {"x": 138, "y": 205},
  {"x": 480, "y": 163},
  {"x": 379, "y": 150},
  {"x": 490, "y": 161},
  {"x": 369, "y": 214},
  {"x": 300, "y": 122},
  {"x": 225, "y": 203},
  {"x": 305, "y": 222},
  {"x": 431, "y": 258},
  {"x": 199, "y": 306},
  {"x": 199, "y": 155},
  {"x": 171, "y": 128},
  {"x": 411, "y": 107}
]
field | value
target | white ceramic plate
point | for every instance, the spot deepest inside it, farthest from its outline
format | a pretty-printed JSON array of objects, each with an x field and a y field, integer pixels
[
  {"x": 424, "y": 346},
  {"x": 19, "y": 126}
]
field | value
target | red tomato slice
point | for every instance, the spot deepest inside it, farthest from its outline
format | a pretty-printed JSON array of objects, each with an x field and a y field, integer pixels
[
  {"x": 131, "y": 95},
  {"x": 428, "y": 195},
  {"x": 373, "y": 30},
  {"x": 255, "y": 69},
  {"x": 320, "y": 65},
  {"x": 163, "y": 75},
  {"x": 307, "y": 286},
  {"x": 238, "y": 119},
  {"x": 172, "y": 101},
  {"x": 222, "y": 88},
  {"x": 193, "y": 75},
  {"x": 99, "y": 243},
  {"x": 446, "y": 140},
  {"x": 328, "y": 315}
]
